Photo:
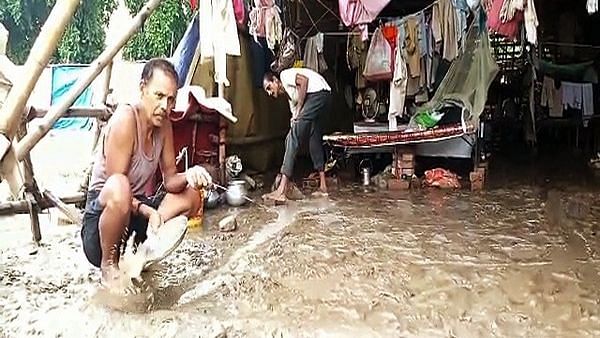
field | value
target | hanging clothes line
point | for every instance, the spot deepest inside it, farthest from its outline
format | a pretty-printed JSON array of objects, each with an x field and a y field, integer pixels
[
  {"x": 352, "y": 33},
  {"x": 565, "y": 44}
]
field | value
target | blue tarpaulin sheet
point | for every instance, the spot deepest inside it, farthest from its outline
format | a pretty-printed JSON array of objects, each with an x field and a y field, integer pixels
[
  {"x": 184, "y": 53},
  {"x": 63, "y": 78}
]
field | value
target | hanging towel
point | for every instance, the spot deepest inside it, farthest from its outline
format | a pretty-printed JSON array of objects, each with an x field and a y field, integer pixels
[{"x": 397, "y": 89}]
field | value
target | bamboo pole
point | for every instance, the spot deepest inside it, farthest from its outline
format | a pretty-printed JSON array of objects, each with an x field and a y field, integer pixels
[
  {"x": 42, "y": 50},
  {"x": 99, "y": 125},
  {"x": 20, "y": 206},
  {"x": 83, "y": 82},
  {"x": 32, "y": 190},
  {"x": 102, "y": 113}
]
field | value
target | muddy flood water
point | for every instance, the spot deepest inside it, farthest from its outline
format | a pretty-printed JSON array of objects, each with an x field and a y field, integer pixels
[{"x": 512, "y": 262}]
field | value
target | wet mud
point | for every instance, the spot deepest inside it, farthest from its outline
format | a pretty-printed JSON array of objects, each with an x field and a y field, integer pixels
[
  {"x": 416, "y": 264},
  {"x": 362, "y": 263}
]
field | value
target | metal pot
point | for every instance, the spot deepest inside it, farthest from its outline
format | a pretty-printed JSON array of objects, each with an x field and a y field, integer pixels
[
  {"x": 212, "y": 199},
  {"x": 236, "y": 191}
]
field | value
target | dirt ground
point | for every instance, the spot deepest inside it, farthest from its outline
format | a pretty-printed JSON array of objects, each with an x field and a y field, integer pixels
[{"x": 518, "y": 261}]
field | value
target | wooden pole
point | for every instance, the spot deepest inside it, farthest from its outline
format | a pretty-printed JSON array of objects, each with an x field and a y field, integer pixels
[
  {"x": 20, "y": 207},
  {"x": 102, "y": 113},
  {"x": 32, "y": 191},
  {"x": 83, "y": 82},
  {"x": 42, "y": 50},
  {"x": 99, "y": 125},
  {"x": 222, "y": 139}
]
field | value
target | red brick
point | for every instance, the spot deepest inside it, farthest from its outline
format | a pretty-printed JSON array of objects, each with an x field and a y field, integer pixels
[
  {"x": 408, "y": 157},
  {"x": 395, "y": 184}
]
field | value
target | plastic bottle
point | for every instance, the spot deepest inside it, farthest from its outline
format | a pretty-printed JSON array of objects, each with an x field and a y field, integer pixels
[{"x": 196, "y": 221}]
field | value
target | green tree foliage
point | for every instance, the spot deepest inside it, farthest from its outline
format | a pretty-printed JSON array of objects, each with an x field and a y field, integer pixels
[
  {"x": 23, "y": 19},
  {"x": 83, "y": 39},
  {"x": 161, "y": 32}
]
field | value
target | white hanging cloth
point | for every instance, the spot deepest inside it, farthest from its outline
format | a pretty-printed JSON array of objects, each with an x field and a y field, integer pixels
[
  {"x": 218, "y": 35},
  {"x": 531, "y": 22},
  {"x": 592, "y": 6}
]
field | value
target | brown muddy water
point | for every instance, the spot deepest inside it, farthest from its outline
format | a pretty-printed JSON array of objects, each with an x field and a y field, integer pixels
[{"x": 363, "y": 263}]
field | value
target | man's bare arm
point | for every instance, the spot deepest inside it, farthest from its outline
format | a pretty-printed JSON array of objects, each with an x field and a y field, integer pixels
[
  {"x": 174, "y": 182},
  {"x": 118, "y": 149},
  {"x": 302, "y": 87}
]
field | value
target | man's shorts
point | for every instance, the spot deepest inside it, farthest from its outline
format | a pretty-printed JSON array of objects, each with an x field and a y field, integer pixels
[{"x": 90, "y": 234}]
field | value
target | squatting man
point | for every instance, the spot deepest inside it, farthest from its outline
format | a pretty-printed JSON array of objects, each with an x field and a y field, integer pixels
[{"x": 137, "y": 140}]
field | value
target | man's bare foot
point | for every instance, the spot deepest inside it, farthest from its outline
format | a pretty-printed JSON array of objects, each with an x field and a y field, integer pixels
[
  {"x": 276, "y": 196},
  {"x": 321, "y": 192},
  {"x": 115, "y": 281}
]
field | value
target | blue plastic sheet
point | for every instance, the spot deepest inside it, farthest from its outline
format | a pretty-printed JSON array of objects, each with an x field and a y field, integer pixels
[
  {"x": 63, "y": 78},
  {"x": 184, "y": 53}
]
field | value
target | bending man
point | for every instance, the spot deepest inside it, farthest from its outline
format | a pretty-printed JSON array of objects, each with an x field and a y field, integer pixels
[
  {"x": 309, "y": 96},
  {"x": 137, "y": 140}
]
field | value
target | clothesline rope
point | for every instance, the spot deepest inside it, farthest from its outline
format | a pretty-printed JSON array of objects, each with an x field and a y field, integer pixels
[
  {"x": 314, "y": 23},
  {"x": 565, "y": 44},
  {"x": 311, "y": 20}
]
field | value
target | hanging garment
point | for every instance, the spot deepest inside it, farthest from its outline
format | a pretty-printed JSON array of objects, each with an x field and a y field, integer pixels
[
  {"x": 218, "y": 35},
  {"x": 588, "y": 99},
  {"x": 411, "y": 47},
  {"x": 390, "y": 32},
  {"x": 397, "y": 89},
  {"x": 421, "y": 33},
  {"x": 551, "y": 97},
  {"x": 473, "y": 4},
  {"x": 265, "y": 21},
  {"x": 429, "y": 49},
  {"x": 531, "y": 22},
  {"x": 360, "y": 13},
  {"x": 240, "y": 12},
  {"x": 355, "y": 12},
  {"x": 510, "y": 8},
  {"x": 356, "y": 57},
  {"x": 262, "y": 57},
  {"x": 313, "y": 54},
  {"x": 508, "y": 29},
  {"x": 578, "y": 96},
  {"x": 443, "y": 24},
  {"x": 592, "y": 6},
  {"x": 462, "y": 11},
  {"x": 572, "y": 95}
]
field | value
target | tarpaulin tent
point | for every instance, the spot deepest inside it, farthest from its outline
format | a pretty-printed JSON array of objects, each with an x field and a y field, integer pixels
[{"x": 63, "y": 78}]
